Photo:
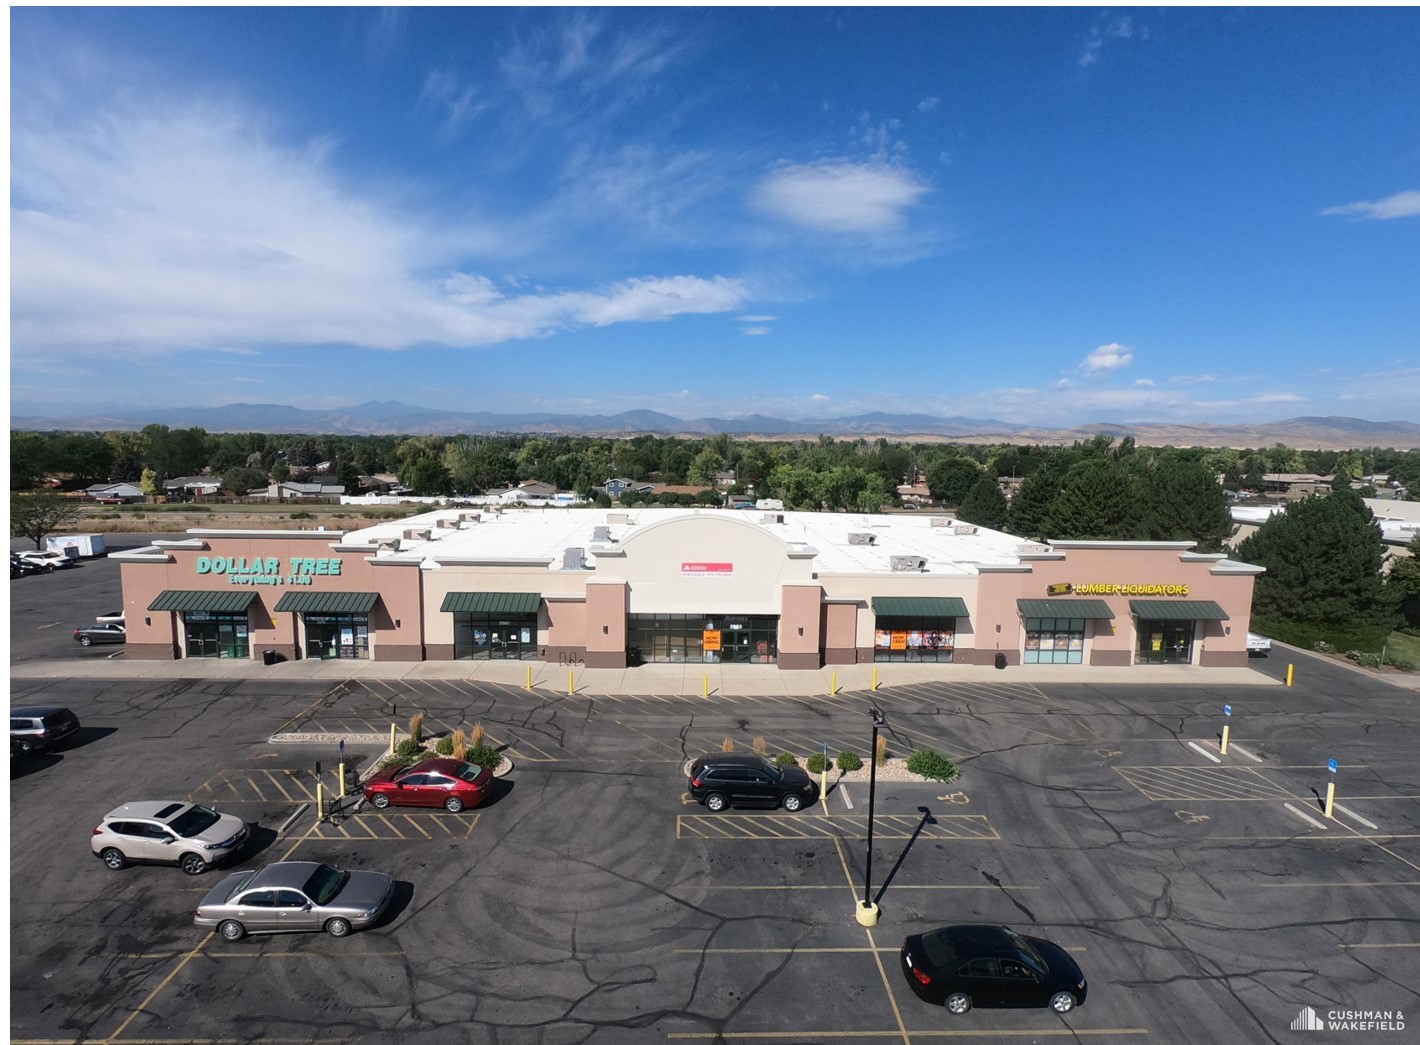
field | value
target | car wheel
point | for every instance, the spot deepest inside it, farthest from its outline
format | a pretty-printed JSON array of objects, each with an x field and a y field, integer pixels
[
  {"x": 958, "y": 1003},
  {"x": 793, "y": 803},
  {"x": 191, "y": 863},
  {"x": 380, "y": 801},
  {"x": 1062, "y": 1002},
  {"x": 113, "y": 859},
  {"x": 338, "y": 927},
  {"x": 453, "y": 805},
  {"x": 26, "y": 748},
  {"x": 84, "y": 640},
  {"x": 231, "y": 930},
  {"x": 715, "y": 802}
]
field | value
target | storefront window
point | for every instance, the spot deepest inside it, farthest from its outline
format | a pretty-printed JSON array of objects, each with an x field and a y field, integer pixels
[
  {"x": 1165, "y": 642},
  {"x": 1055, "y": 640},
  {"x": 344, "y": 636},
  {"x": 915, "y": 639},
  {"x": 699, "y": 639},
  {"x": 478, "y": 636},
  {"x": 220, "y": 635}
]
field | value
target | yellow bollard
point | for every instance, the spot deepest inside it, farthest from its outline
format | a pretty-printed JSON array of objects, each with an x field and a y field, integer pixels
[
  {"x": 875, "y": 680},
  {"x": 1330, "y": 798},
  {"x": 320, "y": 800},
  {"x": 342, "y": 780},
  {"x": 833, "y": 684},
  {"x": 528, "y": 686},
  {"x": 706, "y": 691},
  {"x": 570, "y": 691},
  {"x": 1224, "y": 748},
  {"x": 1289, "y": 674},
  {"x": 391, "y": 738}
]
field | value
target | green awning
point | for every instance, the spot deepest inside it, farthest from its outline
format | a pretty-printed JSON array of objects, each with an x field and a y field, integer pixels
[
  {"x": 918, "y": 606},
  {"x": 203, "y": 601},
  {"x": 1064, "y": 609},
  {"x": 328, "y": 602},
  {"x": 493, "y": 602},
  {"x": 1176, "y": 609}
]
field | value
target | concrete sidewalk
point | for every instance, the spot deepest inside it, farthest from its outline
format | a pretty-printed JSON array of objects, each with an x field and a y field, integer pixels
[{"x": 647, "y": 680}]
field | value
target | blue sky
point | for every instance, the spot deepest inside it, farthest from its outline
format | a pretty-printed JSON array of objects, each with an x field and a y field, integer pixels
[{"x": 1046, "y": 215}]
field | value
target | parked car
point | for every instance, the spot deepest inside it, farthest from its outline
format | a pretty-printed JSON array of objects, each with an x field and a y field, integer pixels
[
  {"x": 448, "y": 782},
  {"x": 191, "y": 836},
  {"x": 111, "y": 617},
  {"x": 22, "y": 567},
  {"x": 990, "y": 966},
  {"x": 48, "y": 561},
  {"x": 717, "y": 781},
  {"x": 295, "y": 896},
  {"x": 40, "y": 728},
  {"x": 99, "y": 634}
]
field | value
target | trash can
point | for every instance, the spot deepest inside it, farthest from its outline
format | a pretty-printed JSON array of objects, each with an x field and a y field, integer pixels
[
  {"x": 1000, "y": 660},
  {"x": 268, "y": 657}
]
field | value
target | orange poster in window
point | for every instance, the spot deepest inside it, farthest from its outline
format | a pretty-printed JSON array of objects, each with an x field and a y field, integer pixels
[
  {"x": 711, "y": 640},
  {"x": 899, "y": 640}
]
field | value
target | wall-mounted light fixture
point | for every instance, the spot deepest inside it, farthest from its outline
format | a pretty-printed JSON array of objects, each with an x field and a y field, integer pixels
[
  {"x": 801, "y": 631},
  {"x": 605, "y": 630}
]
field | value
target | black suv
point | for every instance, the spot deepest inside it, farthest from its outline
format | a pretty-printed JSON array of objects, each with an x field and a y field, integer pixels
[
  {"x": 717, "y": 781},
  {"x": 39, "y": 728}
]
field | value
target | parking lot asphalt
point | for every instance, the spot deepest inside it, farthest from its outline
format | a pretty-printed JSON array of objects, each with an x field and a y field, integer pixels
[{"x": 1205, "y": 895}]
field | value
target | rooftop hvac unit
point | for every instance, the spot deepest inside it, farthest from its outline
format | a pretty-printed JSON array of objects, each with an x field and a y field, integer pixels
[
  {"x": 469, "y": 517},
  {"x": 963, "y": 528},
  {"x": 619, "y": 517},
  {"x": 601, "y": 533},
  {"x": 448, "y": 524},
  {"x": 416, "y": 535},
  {"x": 387, "y": 544},
  {"x": 941, "y": 520},
  {"x": 574, "y": 558},
  {"x": 903, "y": 563},
  {"x": 862, "y": 538},
  {"x": 767, "y": 519}
]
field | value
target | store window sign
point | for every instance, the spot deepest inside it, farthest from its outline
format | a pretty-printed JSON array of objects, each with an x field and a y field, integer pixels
[
  {"x": 1116, "y": 589},
  {"x": 706, "y": 569},
  {"x": 711, "y": 640},
  {"x": 241, "y": 570}
]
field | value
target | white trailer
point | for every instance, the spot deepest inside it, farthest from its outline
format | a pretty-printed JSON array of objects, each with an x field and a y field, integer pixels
[{"x": 77, "y": 545}]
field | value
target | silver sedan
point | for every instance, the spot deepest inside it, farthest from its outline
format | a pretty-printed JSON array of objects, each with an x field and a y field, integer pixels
[{"x": 295, "y": 896}]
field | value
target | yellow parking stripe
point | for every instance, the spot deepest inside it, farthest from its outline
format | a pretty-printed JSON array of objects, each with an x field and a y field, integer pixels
[
  {"x": 277, "y": 784},
  {"x": 391, "y": 826},
  {"x": 440, "y": 821},
  {"x": 415, "y": 824},
  {"x": 259, "y": 793}
]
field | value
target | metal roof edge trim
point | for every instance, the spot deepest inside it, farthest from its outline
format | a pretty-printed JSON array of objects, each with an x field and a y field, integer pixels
[
  {"x": 320, "y": 535},
  {"x": 1137, "y": 545}
]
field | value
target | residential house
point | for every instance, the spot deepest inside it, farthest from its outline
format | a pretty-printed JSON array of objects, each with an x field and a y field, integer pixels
[{"x": 115, "y": 493}]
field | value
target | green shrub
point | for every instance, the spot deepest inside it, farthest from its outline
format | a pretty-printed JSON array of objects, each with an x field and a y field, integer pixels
[
  {"x": 933, "y": 765},
  {"x": 785, "y": 760},
  {"x": 444, "y": 746},
  {"x": 483, "y": 755},
  {"x": 302, "y": 515},
  {"x": 1366, "y": 660},
  {"x": 848, "y": 761},
  {"x": 410, "y": 747},
  {"x": 817, "y": 763}
]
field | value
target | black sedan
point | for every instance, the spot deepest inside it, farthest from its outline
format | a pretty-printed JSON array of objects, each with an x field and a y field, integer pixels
[
  {"x": 94, "y": 634},
  {"x": 717, "y": 781},
  {"x": 991, "y": 966}
]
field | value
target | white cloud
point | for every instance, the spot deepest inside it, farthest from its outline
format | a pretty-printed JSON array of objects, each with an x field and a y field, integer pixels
[
  {"x": 184, "y": 227},
  {"x": 819, "y": 397},
  {"x": 458, "y": 100},
  {"x": 1144, "y": 382},
  {"x": 1193, "y": 379},
  {"x": 1064, "y": 382},
  {"x": 1401, "y": 205},
  {"x": 756, "y": 331},
  {"x": 928, "y": 104},
  {"x": 1279, "y": 397},
  {"x": 1104, "y": 30},
  {"x": 756, "y": 319},
  {"x": 840, "y": 196},
  {"x": 1106, "y": 358}
]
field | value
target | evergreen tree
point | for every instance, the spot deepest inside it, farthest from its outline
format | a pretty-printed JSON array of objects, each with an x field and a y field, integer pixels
[
  {"x": 985, "y": 505},
  {"x": 951, "y": 478},
  {"x": 1183, "y": 502},
  {"x": 1403, "y": 586},
  {"x": 1030, "y": 508},
  {"x": 1097, "y": 502},
  {"x": 1323, "y": 559}
]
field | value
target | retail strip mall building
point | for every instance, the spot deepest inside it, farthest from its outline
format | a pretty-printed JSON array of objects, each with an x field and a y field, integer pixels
[{"x": 620, "y": 588}]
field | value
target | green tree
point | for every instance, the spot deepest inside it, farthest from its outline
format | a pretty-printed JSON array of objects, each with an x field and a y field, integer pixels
[
  {"x": 984, "y": 505},
  {"x": 703, "y": 468},
  {"x": 150, "y": 483},
  {"x": 29, "y": 459},
  {"x": 38, "y": 515},
  {"x": 876, "y": 493},
  {"x": 1183, "y": 502},
  {"x": 428, "y": 478},
  {"x": 1403, "y": 586},
  {"x": 1323, "y": 559},
  {"x": 238, "y": 480},
  {"x": 951, "y": 478},
  {"x": 1097, "y": 502},
  {"x": 1029, "y": 515}
]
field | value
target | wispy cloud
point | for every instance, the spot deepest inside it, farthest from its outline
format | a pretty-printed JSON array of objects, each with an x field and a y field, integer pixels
[
  {"x": 1144, "y": 382},
  {"x": 1193, "y": 379},
  {"x": 840, "y": 196},
  {"x": 1401, "y": 205},
  {"x": 1102, "y": 32},
  {"x": 929, "y": 104},
  {"x": 457, "y": 100},
  {"x": 1112, "y": 356},
  {"x": 1279, "y": 397},
  {"x": 756, "y": 319},
  {"x": 756, "y": 331}
]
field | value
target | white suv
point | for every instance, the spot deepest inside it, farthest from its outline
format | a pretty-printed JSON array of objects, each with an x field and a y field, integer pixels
[{"x": 191, "y": 836}]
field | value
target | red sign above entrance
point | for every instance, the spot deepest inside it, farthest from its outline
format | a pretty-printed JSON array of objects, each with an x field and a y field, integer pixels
[{"x": 706, "y": 569}]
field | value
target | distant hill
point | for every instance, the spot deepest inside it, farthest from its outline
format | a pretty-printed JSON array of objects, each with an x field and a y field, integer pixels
[{"x": 395, "y": 418}]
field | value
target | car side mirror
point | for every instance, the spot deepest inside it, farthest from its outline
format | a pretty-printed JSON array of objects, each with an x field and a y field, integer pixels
[{"x": 307, "y": 906}]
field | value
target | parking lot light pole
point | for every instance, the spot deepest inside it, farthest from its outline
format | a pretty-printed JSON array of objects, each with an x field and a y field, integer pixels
[{"x": 867, "y": 913}]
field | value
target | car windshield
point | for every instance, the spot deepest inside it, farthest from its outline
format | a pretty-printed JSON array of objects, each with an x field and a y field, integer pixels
[
  {"x": 1029, "y": 954},
  {"x": 469, "y": 773},
  {"x": 401, "y": 773},
  {"x": 194, "y": 821},
  {"x": 238, "y": 883},
  {"x": 771, "y": 769},
  {"x": 325, "y": 883}
]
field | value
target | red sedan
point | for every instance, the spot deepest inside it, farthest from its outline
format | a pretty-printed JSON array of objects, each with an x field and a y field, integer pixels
[{"x": 446, "y": 782}]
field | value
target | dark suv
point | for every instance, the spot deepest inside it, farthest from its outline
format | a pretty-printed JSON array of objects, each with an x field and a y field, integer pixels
[
  {"x": 39, "y": 728},
  {"x": 717, "y": 781}
]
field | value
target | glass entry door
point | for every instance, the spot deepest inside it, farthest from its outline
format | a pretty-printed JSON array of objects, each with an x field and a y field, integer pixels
[
  {"x": 344, "y": 636},
  {"x": 219, "y": 635},
  {"x": 1165, "y": 642}
]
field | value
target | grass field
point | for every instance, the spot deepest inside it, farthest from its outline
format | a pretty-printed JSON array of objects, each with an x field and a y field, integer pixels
[{"x": 1402, "y": 648}]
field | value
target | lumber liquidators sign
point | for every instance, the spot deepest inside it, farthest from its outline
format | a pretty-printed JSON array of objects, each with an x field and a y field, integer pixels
[
  {"x": 1116, "y": 589},
  {"x": 241, "y": 570}
]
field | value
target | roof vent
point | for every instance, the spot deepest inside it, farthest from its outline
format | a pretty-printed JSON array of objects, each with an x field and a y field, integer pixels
[
  {"x": 574, "y": 558},
  {"x": 448, "y": 524},
  {"x": 601, "y": 533},
  {"x": 940, "y": 520},
  {"x": 387, "y": 544},
  {"x": 469, "y": 517},
  {"x": 904, "y": 563},
  {"x": 862, "y": 538},
  {"x": 767, "y": 519},
  {"x": 619, "y": 517},
  {"x": 963, "y": 528},
  {"x": 416, "y": 535}
]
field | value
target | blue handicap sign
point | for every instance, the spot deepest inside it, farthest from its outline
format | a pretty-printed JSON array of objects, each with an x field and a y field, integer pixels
[
  {"x": 1227, "y": 709},
  {"x": 1331, "y": 764}
]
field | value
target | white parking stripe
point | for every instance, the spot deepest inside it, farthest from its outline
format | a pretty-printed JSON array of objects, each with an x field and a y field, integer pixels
[
  {"x": 1204, "y": 751},
  {"x": 843, "y": 790},
  {"x": 1354, "y": 816},
  {"x": 1244, "y": 751},
  {"x": 1310, "y": 820}
]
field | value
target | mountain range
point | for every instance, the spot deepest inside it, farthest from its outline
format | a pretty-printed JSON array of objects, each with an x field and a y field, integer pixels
[{"x": 394, "y": 418}]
